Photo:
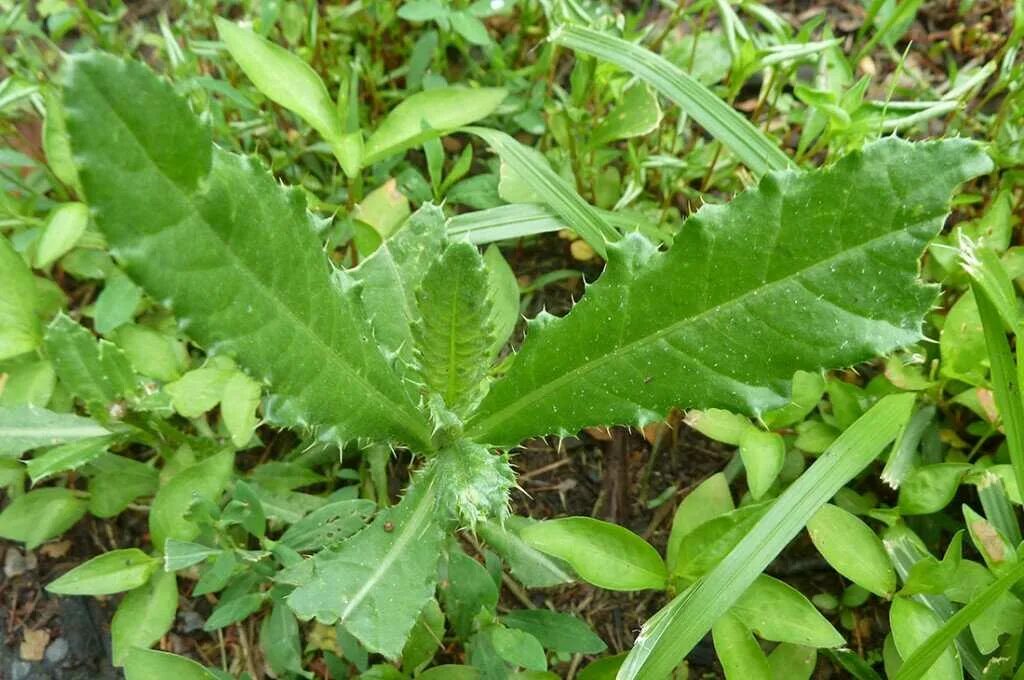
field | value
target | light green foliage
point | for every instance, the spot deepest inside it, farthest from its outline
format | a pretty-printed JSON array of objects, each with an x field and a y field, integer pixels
[
  {"x": 778, "y": 612},
  {"x": 702, "y": 349},
  {"x": 453, "y": 337},
  {"x": 260, "y": 289},
  {"x": 604, "y": 554},
  {"x": 912, "y": 623},
  {"x": 97, "y": 372},
  {"x": 738, "y": 651},
  {"x": 70, "y": 456},
  {"x": 377, "y": 582},
  {"x": 709, "y": 500},
  {"x": 145, "y": 664},
  {"x": 290, "y": 82},
  {"x": 112, "y": 572},
  {"x": 66, "y": 225},
  {"x": 426, "y": 115},
  {"x": 27, "y": 427},
  {"x": 19, "y": 327},
  {"x": 168, "y": 513},
  {"x": 853, "y": 549},
  {"x": 556, "y": 631},
  {"x": 41, "y": 515},
  {"x": 636, "y": 114},
  {"x": 145, "y": 615},
  {"x": 763, "y": 455}
]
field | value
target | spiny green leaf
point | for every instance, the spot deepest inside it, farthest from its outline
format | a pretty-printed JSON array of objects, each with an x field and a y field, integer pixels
[
  {"x": 26, "y": 427},
  {"x": 472, "y": 483},
  {"x": 454, "y": 334},
  {"x": 821, "y": 267},
  {"x": 376, "y": 583},
  {"x": 97, "y": 372},
  {"x": 217, "y": 238}
]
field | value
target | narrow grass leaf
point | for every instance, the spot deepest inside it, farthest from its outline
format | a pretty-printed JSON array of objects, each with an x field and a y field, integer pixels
[
  {"x": 553, "y": 189},
  {"x": 751, "y": 145},
  {"x": 670, "y": 635}
]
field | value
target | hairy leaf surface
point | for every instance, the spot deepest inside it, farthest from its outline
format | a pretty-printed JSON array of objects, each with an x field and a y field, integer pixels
[
  {"x": 454, "y": 334},
  {"x": 377, "y": 582},
  {"x": 214, "y": 236},
  {"x": 806, "y": 271}
]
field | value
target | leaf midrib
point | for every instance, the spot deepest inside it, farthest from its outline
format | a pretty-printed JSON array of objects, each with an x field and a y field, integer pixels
[
  {"x": 257, "y": 283},
  {"x": 485, "y": 425},
  {"x": 417, "y": 521}
]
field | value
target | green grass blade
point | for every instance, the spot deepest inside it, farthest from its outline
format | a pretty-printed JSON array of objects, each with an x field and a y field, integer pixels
[
  {"x": 917, "y": 665},
  {"x": 1004, "y": 379},
  {"x": 675, "y": 630},
  {"x": 724, "y": 123},
  {"x": 515, "y": 220},
  {"x": 559, "y": 195}
]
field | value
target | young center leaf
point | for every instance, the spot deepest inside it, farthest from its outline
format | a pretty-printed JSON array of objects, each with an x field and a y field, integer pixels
[
  {"x": 807, "y": 271},
  {"x": 217, "y": 239},
  {"x": 454, "y": 335}
]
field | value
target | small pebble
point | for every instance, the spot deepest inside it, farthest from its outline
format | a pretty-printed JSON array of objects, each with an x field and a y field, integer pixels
[
  {"x": 190, "y": 622},
  {"x": 57, "y": 651},
  {"x": 16, "y": 563}
]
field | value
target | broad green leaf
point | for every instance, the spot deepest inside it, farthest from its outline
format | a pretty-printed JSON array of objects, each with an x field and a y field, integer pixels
[
  {"x": 95, "y": 371},
  {"x": 151, "y": 353},
  {"x": 429, "y": 114},
  {"x": 934, "y": 649},
  {"x": 146, "y": 664},
  {"x": 234, "y": 255},
  {"x": 778, "y": 612},
  {"x": 234, "y": 609},
  {"x": 55, "y": 141},
  {"x": 529, "y": 566},
  {"x": 792, "y": 662},
  {"x": 556, "y": 631},
  {"x": 930, "y": 488},
  {"x": 807, "y": 390},
  {"x": 112, "y": 572},
  {"x": 671, "y": 633},
  {"x": 328, "y": 525},
  {"x": 425, "y": 639},
  {"x": 853, "y": 549},
  {"x": 912, "y": 625},
  {"x": 738, "y": 651},
  {"x": 70, "y": 456},
  {"x": 751, "y": 145},
  {"x": 504, "y": 288},
  {"x": 238, "y": 407},
  {"x": 607, "y": 555},
  {"x": 554, "y": 190},
  {"x": 518, "y": 648},
  {"x": 116, "y": 303},
  {"x": 933, "y": 576},
  {"x": 453, "y": 336},
  {"x": 801, "y": 250},
  {"x": 763, "y": 454},
  {"x": 279, "y": 639},
  {"x": 602, "y": 669},
  {"x": 64, "y": 227},
  {"x": 116, "y": 481},
  {"x": 385, "y": 209},
  {"x": 26, "y": 427},
  {"x": 709, "y": 500},
  {"x": 199, "y": 390},
  {"x": 205, "y": 480},
  {"x": 704, "y": 547},
  {"x": 183, "y": 554},
  {"x": 28, "y": 383},
  {"x": 718, "y": 424},
  {"x": 377, "y": 582},
  {"x": 962, "y": 342},
  {"x": 41, "y": 515},
  {"x": 19, "y": 327},
  {"x": 289, "y": 81},
  {"x": 144, "y": 616},
  {"x": 468, "y": 589},
  {"x": 635, "y": 115}
]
